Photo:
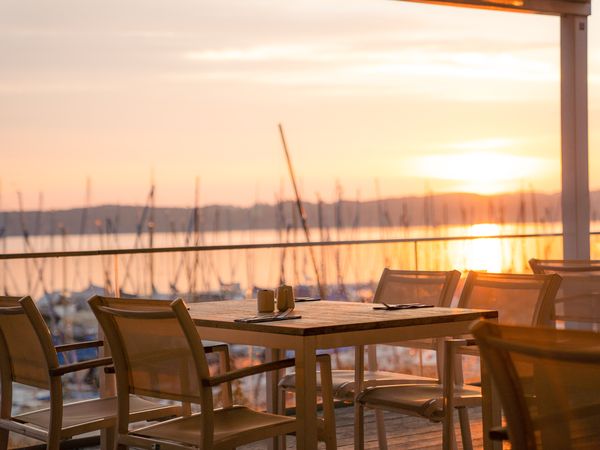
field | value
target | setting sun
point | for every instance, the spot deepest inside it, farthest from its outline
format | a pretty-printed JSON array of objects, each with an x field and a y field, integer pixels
[{"x": 483, "y": 172}]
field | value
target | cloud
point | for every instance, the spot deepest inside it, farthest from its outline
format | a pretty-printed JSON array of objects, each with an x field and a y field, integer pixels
[
  {"x": 254, "y": 54},
  {"x": 40, "y": 87},
  {"x": 411, "y": 66}
]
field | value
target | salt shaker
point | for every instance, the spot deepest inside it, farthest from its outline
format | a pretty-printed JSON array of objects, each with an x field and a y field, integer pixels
[
  {"x": 281, "y": 298},
  {"x": 285, "y": 297},
  {"x": 265, "y": 300},
  {"x": 289, "y": 297}
]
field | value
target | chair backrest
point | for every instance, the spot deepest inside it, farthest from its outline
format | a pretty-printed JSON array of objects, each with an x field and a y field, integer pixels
[
  {"x": 520, "y": 299},
  {"x": 407, "y": 286},
  {"x": 577, "y": 303},
  {"x": 410, "y": 286},
  {"x": 548, "y": 384},
  {"x": 25, "y": 343},
  {"x": 155, "y": 347},
  {"x": 565, "y": 266}
]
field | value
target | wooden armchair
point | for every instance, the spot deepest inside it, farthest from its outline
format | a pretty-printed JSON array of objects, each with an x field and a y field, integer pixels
[
  {"x": 548, "y": 384},
  {"x": 158, "y": 353},
  {"x": 519, "y": 298},
  {"x": 27, "y": 356}
]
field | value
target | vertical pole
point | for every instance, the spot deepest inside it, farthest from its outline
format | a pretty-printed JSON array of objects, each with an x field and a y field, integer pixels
[
  {"x": 116, "y": 268},
  {"x": 416, "y": 252},
  {"x": 574, "y": 137}
]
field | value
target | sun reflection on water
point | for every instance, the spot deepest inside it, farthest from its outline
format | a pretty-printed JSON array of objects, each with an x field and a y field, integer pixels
[{"x": 484, "y": 254}]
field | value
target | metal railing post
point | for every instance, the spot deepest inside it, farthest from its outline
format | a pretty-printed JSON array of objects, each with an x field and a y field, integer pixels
[
  {"x": 117, "y": 288},
  {"x": 416, "y": 250}
]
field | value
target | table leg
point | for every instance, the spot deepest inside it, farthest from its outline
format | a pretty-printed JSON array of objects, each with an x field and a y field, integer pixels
[
  {"x": 306, "y": 395},
  {"x": 273, "y": 354},
  {"x": 359, "y": 379}
]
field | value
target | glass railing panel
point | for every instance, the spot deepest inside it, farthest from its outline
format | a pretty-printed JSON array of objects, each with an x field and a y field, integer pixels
[{"x": 347, "y": 271}]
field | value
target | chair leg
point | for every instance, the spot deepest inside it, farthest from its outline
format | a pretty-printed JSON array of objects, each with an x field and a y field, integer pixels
[
  {"x": 359, "y": 426},
  {"x": 448, "y": 434},
  {"x": 327, "y": 402},
  {"x": 279, "y": 442},
  {"x": 449, "y": 438},
  {"x": 381, "y": 436},
  {"x": 53, "y": 442},
  {"x": 330, "y": 437},
  {"x": 107, "y": 438},
  {"x": 3, "y": 439},
  {"x": 330, "y": 441},
  {"x": 465, "y": 428},
  {"x": 281, "y": 393}
]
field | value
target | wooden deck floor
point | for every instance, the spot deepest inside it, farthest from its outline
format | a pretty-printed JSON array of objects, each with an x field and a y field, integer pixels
[{"x": 403, "y": 432}]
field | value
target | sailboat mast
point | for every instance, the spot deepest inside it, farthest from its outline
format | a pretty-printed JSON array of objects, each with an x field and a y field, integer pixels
[
  {"x": 151, "y": 227},
  {"x": 301, "y": 211},
  {"x": 3, "y": 232}
]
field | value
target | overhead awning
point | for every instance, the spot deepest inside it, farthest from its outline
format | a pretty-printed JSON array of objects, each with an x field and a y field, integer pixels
[{"x": 553, "y": 7}]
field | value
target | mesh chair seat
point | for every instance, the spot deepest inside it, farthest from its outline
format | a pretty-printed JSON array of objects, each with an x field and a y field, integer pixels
[
  {"x": 101, "y": 412},
  {"x": 344, "y": 384},
  {"x": 425, "y": 400},
  {"x": 230, "y": 427}
]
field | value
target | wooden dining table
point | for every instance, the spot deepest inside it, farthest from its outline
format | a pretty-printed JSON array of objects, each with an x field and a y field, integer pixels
[{"x": 326, "y": 325}]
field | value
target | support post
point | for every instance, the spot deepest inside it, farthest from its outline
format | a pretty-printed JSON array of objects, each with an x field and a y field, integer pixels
[{"x": 574, "y": 137}]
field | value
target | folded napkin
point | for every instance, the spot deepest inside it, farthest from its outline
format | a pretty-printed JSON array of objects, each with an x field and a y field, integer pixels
[
  {"x": 403, "y": 306},
  {"x": 268, "y": 318},
  {"x": 307, "y": 299}
]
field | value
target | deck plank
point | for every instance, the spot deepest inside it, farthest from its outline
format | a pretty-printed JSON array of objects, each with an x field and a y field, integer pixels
[{"x": 403, "y": 432}]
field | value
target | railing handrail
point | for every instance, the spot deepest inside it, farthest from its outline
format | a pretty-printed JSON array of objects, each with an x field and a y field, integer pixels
[{"x": 203, "y": 248}]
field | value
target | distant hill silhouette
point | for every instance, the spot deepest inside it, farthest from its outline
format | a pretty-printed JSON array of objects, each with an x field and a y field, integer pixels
[{"x": 433, "y": 210}]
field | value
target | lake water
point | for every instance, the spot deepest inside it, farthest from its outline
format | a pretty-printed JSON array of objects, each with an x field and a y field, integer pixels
[{"x": 345, "y": 270}]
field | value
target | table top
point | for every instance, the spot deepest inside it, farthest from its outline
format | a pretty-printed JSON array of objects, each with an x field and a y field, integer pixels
[{"x": 327, "y": 317}]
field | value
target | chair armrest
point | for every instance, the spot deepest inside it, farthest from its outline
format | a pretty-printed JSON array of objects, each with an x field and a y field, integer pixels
[
  {"x": 247, "y": 371},
  {"x": 461, "y": 342},
  {"x": 499, "y": 434},
  {"x": 89, "y": 364},
  {"x": 224, "y": 367},
  {"x": 78, "y": 345},
  {"x": 470, "y": 342},
  {"x": 461, "y": 345},
  {"x": 254, "y": 370},
  {"x": 213, "y": 348}
]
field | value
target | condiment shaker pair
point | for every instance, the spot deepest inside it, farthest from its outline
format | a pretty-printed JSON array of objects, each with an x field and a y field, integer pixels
[{"x": 266, "y": 299}]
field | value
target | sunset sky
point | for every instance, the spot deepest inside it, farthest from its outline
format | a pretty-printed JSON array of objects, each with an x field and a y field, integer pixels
[{"x": 407, "y": 97}]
